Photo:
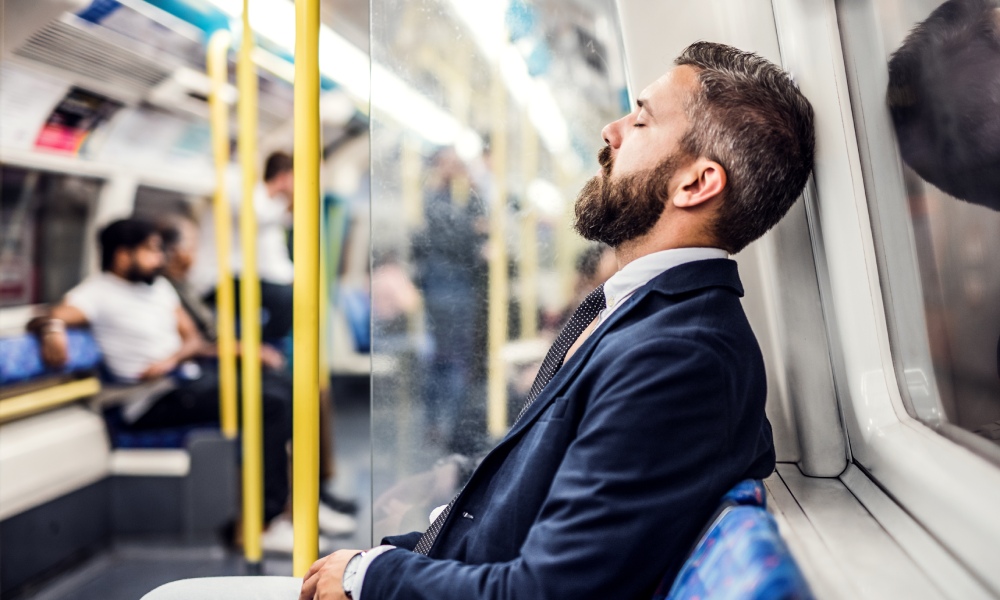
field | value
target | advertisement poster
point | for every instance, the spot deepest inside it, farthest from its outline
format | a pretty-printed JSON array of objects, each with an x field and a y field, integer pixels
[{"x": 76, "y": 116}]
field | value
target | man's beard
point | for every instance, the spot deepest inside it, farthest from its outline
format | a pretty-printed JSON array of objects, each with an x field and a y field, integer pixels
[
  {"x": 137, "y": 275},
  {"x": 615, "y": 211}
]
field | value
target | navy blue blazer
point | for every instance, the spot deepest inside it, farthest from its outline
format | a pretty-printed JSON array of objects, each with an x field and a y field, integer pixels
[{"x": 602, "y": 488}]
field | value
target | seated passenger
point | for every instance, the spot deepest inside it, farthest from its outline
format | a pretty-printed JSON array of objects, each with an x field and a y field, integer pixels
[
  {"x": 145, "y": 334},
  {"x": 180, "y": 244},
  {"x": 650, "y": 404}
]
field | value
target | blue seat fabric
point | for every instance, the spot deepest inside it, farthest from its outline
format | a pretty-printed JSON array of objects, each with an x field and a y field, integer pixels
[
  {"x": 21, "y": 362},
  {"x": 741, "y": 556},
  {"x": 21, "y": 358}
]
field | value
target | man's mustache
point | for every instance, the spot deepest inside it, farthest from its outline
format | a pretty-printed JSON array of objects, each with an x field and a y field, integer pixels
[{"x": 605, "y": 160}]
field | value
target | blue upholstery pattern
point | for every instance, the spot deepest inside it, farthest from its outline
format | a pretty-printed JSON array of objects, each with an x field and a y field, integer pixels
[
  {"x": 21, "y": 360},
  {"x": 749, "y": 492},
  {"x": 741, "y": 556}
]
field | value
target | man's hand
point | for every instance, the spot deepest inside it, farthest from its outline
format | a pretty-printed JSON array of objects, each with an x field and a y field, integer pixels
[
  {"x": 159, "y": 369},
  {"x": 324, "y": 581},
  {"x": 271, "y": 358}
]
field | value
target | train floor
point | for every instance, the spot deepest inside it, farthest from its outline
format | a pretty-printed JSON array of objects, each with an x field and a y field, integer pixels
[{"x": 128, "y": 569}]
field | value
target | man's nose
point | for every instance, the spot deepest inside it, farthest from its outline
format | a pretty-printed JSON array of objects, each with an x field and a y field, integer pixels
[{"x": 612, "y": 134}]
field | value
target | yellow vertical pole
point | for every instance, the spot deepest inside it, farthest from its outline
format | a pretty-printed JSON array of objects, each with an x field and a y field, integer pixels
[
  {"x": 496, "y": 381},
  {"x": 529, "y": 232},
  {"x": 218, "y": 51},
  {"x": 305, "y": 441},
  {"x": 253, "y": 426}
]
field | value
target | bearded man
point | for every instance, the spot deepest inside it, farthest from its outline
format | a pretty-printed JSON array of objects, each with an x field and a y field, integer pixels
[
  {"x": 650, "y": 405},
  {"x": 145, "y": 334}
]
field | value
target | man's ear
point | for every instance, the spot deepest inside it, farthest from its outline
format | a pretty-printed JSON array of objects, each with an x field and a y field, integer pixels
[{"x": 703, "y": 180}]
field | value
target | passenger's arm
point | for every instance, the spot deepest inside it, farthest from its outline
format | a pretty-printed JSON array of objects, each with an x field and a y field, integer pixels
[
  {"x": 635, "y": 487},
  {"x": 51, "y": 332},
  {"x": 191, "y": 346}
]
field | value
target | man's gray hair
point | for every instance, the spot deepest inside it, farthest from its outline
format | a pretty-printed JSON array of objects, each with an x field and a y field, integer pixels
[{"x": 750, "y": 117}]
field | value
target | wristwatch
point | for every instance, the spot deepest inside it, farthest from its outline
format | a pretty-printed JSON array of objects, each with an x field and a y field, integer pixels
[{"x": 350, "y": 571}]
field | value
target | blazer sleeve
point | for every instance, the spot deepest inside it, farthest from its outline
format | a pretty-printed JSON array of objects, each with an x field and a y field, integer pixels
[{"x": 633, "y": 490}]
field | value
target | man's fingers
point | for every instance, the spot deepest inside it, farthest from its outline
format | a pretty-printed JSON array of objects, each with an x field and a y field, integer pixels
[
  {"x": 316, "y": 566},
  {"x": 309, "y": 587}
]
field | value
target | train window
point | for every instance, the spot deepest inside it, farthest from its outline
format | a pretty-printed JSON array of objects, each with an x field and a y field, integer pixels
[
  {"x": 44, "y": 220},
  {"x": 154, "y": 204},
  {"x": 485, "y": 122},
  {"x": 928, "y": 120}
]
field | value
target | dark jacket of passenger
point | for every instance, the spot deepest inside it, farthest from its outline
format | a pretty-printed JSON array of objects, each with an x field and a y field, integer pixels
[{"x": 602, "y": 487}]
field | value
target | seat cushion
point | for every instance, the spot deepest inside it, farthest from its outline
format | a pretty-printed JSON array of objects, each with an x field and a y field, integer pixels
[
  {"x": 741, "y": 557},
  {"x": 749, "y": 492},
  {"x": 229, "y": 588}
]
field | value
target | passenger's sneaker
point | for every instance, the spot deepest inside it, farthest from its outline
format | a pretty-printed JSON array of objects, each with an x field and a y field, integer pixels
[
  {"x": 334, "y": 523},
  {"x": 341, "y": 505},
  {"x": 279, "y": 538}
]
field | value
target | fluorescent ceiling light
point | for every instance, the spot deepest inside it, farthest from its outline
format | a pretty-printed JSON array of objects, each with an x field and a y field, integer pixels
[
  {"x": 486, "y": 21},
  {"x": 350, "y": 67}
]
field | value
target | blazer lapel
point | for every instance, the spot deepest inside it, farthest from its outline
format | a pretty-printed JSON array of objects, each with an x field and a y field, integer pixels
[
  {"x": 679, "y": 279},
  {"x": 567, "y": 372}
]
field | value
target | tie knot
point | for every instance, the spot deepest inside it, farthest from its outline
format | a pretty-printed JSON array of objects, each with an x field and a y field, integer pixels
[{"x": 594, "y": 303}]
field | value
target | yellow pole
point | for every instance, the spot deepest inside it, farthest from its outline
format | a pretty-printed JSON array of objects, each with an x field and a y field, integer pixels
[
  {"x": 529, "y": 232},
  {"x": 253, "y": 426},
  {"x": 218, "y": 51},
  {"x": 305, "y": 441},
  {"x": 496, "y": 385}
]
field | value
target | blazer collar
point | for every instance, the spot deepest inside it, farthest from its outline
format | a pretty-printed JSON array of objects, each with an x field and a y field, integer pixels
[{"x": 681, "y": 279}]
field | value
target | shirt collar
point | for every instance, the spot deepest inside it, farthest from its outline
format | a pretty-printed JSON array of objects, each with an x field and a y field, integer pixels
[{"x": 640, "y": 271}]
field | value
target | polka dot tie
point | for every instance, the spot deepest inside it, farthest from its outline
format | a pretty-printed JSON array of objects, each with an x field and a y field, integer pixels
[{"x": 588, "y": 310}]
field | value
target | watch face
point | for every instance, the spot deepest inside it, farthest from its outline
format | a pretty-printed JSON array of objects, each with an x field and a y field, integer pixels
[{"x": 350, "y": 571}]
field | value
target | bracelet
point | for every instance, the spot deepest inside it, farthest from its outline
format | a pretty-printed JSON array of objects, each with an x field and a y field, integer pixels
[{"x": 54, "y": 326}]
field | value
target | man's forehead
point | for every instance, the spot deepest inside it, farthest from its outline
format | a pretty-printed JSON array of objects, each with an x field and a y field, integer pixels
[{"x": 673, "y": 86}]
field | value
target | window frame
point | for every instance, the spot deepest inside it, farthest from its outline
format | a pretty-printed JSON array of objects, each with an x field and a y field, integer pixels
[
  {"x": 942, "y": 484},
  {"x": 894, "y": 240}
]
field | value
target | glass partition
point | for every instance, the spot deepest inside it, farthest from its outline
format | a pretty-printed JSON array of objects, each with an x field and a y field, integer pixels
[{"x": 485, "y": 119}]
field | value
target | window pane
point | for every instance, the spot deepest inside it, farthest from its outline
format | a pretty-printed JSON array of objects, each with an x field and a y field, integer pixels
[
  {"x": 928, "y": 117},
  {"x": 485, "y": 121},
  {"x": 44, "y": 220}
]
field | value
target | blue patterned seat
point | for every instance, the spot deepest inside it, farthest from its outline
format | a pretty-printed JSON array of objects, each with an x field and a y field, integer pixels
[
  {"x": 21, "y": 359},
  {"x": 741, "y": 556}
]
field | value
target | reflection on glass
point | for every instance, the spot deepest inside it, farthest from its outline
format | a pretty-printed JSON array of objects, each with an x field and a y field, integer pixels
[
  {"x": 943, "y": 96},
  {"x": 483, "y": 127},
  {"x": 43, "y": 227}
]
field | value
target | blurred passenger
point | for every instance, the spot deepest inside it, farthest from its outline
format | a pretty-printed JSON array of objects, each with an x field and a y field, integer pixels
[
  {"x": 272, "y": 201},
  {"x": 450, "y": 273},
  {"x": 180, "y": 244},
  {"x": 145, "y": 334},
  {"x": 650, "y": 404}
]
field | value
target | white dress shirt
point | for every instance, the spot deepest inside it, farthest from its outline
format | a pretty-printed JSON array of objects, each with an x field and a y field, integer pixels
[
  {"x": 642, "y": 270},
  {"x": 274, "y": 265}
]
